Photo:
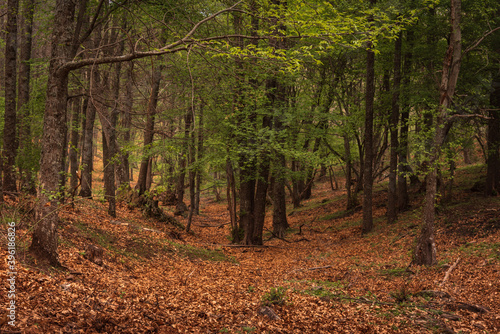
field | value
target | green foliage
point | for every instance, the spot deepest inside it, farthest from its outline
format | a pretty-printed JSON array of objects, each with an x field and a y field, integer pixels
[
  {"x": 482, "y": 249},
  {"x": 276, "y": 296}
]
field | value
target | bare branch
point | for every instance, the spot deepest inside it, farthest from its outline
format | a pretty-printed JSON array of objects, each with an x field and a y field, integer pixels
[
  {"x": 453, "y": 117},
  {"x": 447, "y": 275},
  {"x": 473, "y": 46},
  {"x": 170, "y": 48}
]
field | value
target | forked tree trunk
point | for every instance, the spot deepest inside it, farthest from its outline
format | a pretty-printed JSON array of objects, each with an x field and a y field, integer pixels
[{"x": 425, "y": 251}]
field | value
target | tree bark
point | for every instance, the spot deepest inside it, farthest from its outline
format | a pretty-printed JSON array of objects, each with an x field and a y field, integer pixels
[
  {"x": 199, "y": 157},
  {"x": 402, "y": 184},
  {"x": 192, "y": 172},
  {"x": 261, "y": 191},
  {"x": 279, "y": 103},
  {"x": 149, "y": 130},
  {"x": 73, "y": 145},
  {"x": 109, "y": 125},
  {"x": 180, "y": 205},
  {"x": 425, "y": 251},
  {"x": 393, "y": 169},
  {"x": 25, "y": 146},
  {"x": 368, "y": 139},
  {"x": 88, "y": 136},
  {"x": 10, "y": 141},
  {"x": 231, "y": 202},
  {"x": 44, "y": 240},
  {"x": 123, "y": 169},
  {"x": 88, "y": 146},
  {"x": 493, "y": 135}
]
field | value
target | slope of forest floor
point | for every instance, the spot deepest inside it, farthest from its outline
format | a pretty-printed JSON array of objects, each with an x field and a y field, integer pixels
[{"x": 325, "y": 277}]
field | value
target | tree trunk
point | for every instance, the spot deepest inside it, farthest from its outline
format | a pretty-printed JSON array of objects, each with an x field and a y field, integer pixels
[
  {"x": 247, "y": 200},
  {"x": 10, "y": 142},
  {"x": 180, "y": 205},
  {"x": 199, "y": 157},
  {"x": 25, "y": 145},
  {"x": 73, "y": 145},
  {"x": 493, "y": 160},
  {"x": 425, "y": 251},
  {"x": 149, "y": 130},
  {"x": 402, "y": 184},
  {"x": 87, "y": 164},
  {"x": 123, "y": 169},
  {"x": 44, "y": 240},
  {"x": 368, "y": 139},
  {"x": 192, "y": 172},
  {"x": 392, "y": 194},
  {"x": 231, "y": 202},
  {"x": 280, "y": 222},
  {"x": 88, "y": 149}
]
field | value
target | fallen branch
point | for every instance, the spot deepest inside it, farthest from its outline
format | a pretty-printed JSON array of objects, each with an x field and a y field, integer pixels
[
  {"x": 447, "y": 275},
  {"x": 302, "y": 239},
  {"x": 207, "y": 225},
  {"x": 275, "y": 236},
  {"x": 469, "y": 307},
  {"x": 300, "y": 229}
]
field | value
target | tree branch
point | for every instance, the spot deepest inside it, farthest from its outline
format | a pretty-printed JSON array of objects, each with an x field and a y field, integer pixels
[{"x": 473, "y": 46}]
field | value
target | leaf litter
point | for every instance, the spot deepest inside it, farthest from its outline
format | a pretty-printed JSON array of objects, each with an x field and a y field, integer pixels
[{"x": 328, "y": 278}]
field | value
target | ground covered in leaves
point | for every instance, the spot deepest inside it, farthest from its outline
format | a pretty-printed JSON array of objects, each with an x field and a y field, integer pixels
[{"x": 325, "y": 277}]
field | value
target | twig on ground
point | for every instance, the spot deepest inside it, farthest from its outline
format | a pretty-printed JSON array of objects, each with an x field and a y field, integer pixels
[
  {"x": 302, "y": 239},
  {"x": 447, "y": 275},
  {"x": 207, "y": 225},
  {"x": 186, "y": 279},
  {"x": 275, "y": 236}
]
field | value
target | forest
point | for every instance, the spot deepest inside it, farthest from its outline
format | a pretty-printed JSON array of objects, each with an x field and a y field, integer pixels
[{"x": 252, "y": 166}]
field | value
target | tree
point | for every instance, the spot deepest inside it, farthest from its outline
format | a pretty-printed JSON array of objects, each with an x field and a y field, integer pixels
[
  {"x": 493, "y": 137},
  {"x": 25, "y": 145},
  {"x": 10, "y": 139},
  {"x": 44, "y": 240},
  {"x": 368, "y": 138},
  {"x": 425, "y": 251},
  {"x": 66, "y": 39},
  {"x": 394, "y": 120}
]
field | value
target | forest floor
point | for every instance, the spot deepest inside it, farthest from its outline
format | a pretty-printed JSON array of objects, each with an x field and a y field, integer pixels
[{"x": 324, "y": 278}]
